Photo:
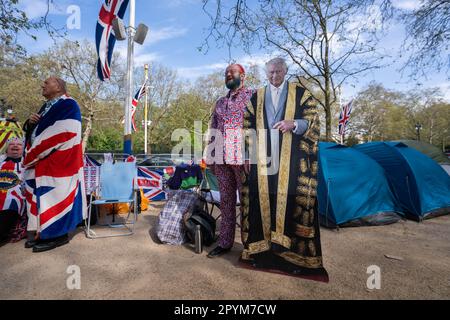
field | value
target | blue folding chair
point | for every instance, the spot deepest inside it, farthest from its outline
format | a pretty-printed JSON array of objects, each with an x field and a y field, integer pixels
[{"x": 117, "y": 185}]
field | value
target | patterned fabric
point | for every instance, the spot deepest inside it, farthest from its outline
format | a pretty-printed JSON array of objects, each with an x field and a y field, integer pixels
[
  {"x": 91, "y": 170},
  {"x": 104, "y": 35},
  {"x": 11, "y": 177},
  {"x": 228, "y": 118},
  {"x": 171, "y": 227},
  {"x": 229, "y": 178},
  {"x": 54, "y": 174}
]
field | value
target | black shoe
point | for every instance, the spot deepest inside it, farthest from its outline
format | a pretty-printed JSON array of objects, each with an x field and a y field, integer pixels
[
  {"x": 218, "y": 251},
  {"x": 50, "y": 244},
  {"x": 30, "y": 243}
]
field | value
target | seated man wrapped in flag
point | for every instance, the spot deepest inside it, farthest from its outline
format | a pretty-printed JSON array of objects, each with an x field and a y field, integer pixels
[
  {"x": 13, "y": 220},
  {"x": 54, "y": 180}
]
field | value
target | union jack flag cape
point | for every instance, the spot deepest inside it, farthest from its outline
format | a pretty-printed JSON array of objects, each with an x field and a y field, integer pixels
[
  {"x": 344, "y": 117},
  {"x": 54, "y": 178},
  {"x": 104, "y": 35},
  {"x": 139, "y": 94},
  {"x": 11, "y": 197},
  {"x": 151, "y": 182}
]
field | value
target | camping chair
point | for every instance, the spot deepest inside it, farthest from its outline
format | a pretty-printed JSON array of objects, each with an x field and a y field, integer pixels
[
  {"x": 117, "y": 185},
  {"x": 209, "y": 192}
]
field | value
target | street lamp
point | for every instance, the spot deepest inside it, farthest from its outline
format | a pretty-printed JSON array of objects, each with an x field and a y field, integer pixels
[
  {"x": 134, "y": 35},
  {"x": 418, "y": 127}
]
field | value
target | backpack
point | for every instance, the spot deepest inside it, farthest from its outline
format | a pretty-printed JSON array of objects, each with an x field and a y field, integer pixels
[{"x": 207, "y": 226}]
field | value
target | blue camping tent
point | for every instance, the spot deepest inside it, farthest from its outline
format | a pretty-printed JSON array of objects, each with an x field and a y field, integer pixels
[
  {"x": 352, "y": 189},
  {"x": 421, "y": 186}
]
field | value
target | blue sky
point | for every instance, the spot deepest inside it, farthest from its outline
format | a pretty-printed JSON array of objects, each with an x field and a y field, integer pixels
[{"x": 178, "y": 28}]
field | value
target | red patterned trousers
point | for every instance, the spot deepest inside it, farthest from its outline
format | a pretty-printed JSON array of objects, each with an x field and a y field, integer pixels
[{"x": 229, "y": 179}]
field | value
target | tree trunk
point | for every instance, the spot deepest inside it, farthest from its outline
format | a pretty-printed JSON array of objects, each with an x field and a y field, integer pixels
[
  {"x": 149, "y": 145},
  {"x": 431, "y": 130},
  {"x": 328, "y": 123},
  {"x": 87, "y": 132},
  {"x": 327, "y": 76},
  {"x": 327, "y": 104}
]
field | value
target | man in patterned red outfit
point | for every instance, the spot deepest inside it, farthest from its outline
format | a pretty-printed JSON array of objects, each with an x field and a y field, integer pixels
[{"x": 227, "y": 120}]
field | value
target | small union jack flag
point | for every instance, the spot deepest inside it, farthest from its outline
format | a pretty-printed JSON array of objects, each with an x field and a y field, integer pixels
[
  {"x": 104, "y": 35},
  {"x": 344, "y": 117},
  {"x": 151, "y": 182},
  {"x": 134, "y": 104}
]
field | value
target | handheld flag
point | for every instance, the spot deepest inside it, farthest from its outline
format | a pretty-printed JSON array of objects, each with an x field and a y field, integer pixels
[{"x": 104, "y": 35}]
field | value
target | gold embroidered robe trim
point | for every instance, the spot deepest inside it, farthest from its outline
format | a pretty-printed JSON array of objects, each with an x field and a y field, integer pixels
[
  {"x": 302, "y": 261},
  {"x": 281, "y": 239},
  {"x": 257, "y": 247},
  {"x": 283, "y": 173},
  {"x": 262, "y": 167}
]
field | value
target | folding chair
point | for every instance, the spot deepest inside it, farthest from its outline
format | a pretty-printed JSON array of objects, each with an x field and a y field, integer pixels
[
  {"x": 211, "y": 195},
  {"x": 117, "y": 185}
]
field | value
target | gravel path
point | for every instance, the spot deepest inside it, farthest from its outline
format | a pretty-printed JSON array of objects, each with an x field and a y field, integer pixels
[{"x": 137, "y": 267}]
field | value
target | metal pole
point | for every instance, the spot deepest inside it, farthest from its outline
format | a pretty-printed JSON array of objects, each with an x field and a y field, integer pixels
[
  {"x": 127, "y": 142},
  {"x": 340, "y": 107},
  {"x": 146, "y": 108},
  {"x": 149, "y": 107}
]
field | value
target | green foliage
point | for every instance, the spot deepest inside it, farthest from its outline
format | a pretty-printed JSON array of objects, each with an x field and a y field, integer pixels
[
  {"x": 380, "y": 114},
  {"x": 105, "y": 139}
]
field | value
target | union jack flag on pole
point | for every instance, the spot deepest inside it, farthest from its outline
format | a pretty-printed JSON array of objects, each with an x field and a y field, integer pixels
[
  {"x": 139, "y": 94},
  {"x": 104, "y": 35},
  {"x": 344, "y": 117}
]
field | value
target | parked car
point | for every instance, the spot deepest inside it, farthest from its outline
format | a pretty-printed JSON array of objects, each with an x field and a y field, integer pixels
[{"x": 157, "y": 161}]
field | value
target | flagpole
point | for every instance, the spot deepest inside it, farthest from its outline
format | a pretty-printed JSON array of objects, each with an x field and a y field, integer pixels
[
  {"x": 340, "y": 106},
  {"x": 146, "y": 108},
  {"x": 127, "y": 142}
]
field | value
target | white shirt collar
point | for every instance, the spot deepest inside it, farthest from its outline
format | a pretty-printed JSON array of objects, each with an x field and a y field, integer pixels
[{"x": 273, "y": 88}]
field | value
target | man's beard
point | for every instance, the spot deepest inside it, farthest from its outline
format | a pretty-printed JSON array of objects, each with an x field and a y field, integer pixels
[{"x": 233, "y": 83}]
